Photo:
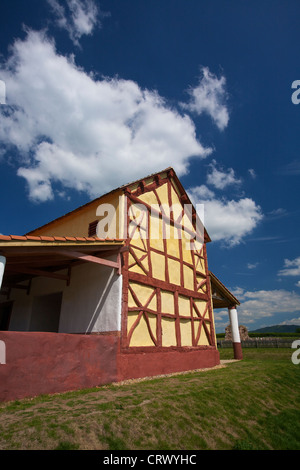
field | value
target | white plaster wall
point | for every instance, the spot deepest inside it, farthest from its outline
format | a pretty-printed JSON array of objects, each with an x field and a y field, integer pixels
[
  {"x": 91, "y": 303},
  {"x": 21, "y": 313}
]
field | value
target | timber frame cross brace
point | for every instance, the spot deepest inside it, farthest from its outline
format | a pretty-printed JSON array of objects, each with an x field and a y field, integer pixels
[
  {"x": 93, "y": 259},
  {"x": 74, "y": 255}
]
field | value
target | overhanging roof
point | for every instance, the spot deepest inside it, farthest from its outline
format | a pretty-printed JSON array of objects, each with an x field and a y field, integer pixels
[
  {"x": 221, "y": 296},
  {"x": 47, "y": 256}
]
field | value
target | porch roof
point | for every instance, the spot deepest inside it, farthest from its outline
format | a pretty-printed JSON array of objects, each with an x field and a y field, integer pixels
[
  {"x": 221, "y": 296},
  {"x": 29, "y": 256}
]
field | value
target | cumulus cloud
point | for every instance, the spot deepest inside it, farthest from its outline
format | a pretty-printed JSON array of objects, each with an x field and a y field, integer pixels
[
  {"x": 220, "y": 178},
  {"x": 266, "y": 303},
  {"x": 291, "y": 267},
  {"x": 226, "y": 220},
  {"x": 292, "y": 321},
  {"x": 209, "y": 97},
  {"x": 83, "y": 133},
  {"x": 77, "y": 17},
  {"x": 260, "y": 304}
]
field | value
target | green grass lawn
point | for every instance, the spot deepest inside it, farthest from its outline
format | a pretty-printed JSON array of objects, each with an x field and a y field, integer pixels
[{"x": 250, "y": 404}]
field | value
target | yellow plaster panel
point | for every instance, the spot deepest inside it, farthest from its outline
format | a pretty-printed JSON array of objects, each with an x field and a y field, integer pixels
[
  {"x": 135, "y": 268},
  {"x": 148, "y": 198},
  {"x": 142, "y": 256},
  {"x": 139, "y": 242},
  {"x": 131, "y": 301},
  {"x": 153, "y": 304},
  {"x": 158, "y": 266},
  {"x": 203, "y": 288},
  {"x": 173, "y": 246},
  {"x": 198, "y": 245},
  {"x": 168, "y": 332},
  {"x": 76, "y": 223},
  {"x": 203, "y": 340},
  {"x": 138, "y": 215},
  {"x": 184, "y": 306},
  {"x": 176, "y": 205},
  {"x": 200, "y": 304},
  {"x": 174, "y": 271},
  {"x": 143, "y": 293},
  {"x": 141, "y": 335},
  {"x": 162, "y": 192},
  {"x": 186, "y": 252},
  {"x": 206, "y": 315},
  {"x": 156, "y": 233},
  {"x": 132, "y": 316},
  {"x": 187, "y": 219},
  {"x": 213, "y": 326},
  {"x": 167, "y": 302},
  {"x": 200, "y": 264},
  {"x": 176, "y": 188},
  {"x": 186, "y": 332},
  {"x": 188, "y": 274}
]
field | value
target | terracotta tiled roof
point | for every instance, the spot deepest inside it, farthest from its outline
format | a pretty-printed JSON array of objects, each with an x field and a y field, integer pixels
[{"x": 44, "y": 238}]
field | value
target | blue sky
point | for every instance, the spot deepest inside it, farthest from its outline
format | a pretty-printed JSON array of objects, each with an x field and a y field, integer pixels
[{"x": 98, "y": 94}]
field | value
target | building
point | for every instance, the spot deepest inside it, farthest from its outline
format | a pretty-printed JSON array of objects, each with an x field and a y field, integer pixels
[{"x": 116, "y": 289}]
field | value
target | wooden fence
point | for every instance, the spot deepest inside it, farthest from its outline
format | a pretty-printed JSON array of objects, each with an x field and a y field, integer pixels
[{"x": 260, "y": 343}]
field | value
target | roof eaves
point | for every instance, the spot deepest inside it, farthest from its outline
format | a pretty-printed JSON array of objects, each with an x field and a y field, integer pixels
[
  {"x": 44, "y": 238},
  {"x": 224, "y": 288}
]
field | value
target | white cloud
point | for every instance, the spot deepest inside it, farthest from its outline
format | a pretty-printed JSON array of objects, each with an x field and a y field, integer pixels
[
  {"x": 228, "y": 221},
  {"x": 252, "y": 265},
  {"x": 209, "y": 97},
  {"x": 220, "y": 179},
  {"x": 252, "y": 173},
  {"x": 80, "y": 17},
  {"x": 84, "y": 133},
  {"x": 200, "y": 193},
  {"x": 263, "y": 303},
  {"x": 256, "y": 305},
  {"x": 293, "y": 321},
  {"x": 291, "y": 267}
]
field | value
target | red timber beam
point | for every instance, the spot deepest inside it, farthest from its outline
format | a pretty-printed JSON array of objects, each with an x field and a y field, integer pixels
[
  {"x": 198, "y": 323},
  {"x": 91, "y": 259}
]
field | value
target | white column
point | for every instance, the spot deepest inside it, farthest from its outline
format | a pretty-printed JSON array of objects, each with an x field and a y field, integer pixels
[
  {"x": 2, "y": 267},
  {"x": 236, "y": 339}
]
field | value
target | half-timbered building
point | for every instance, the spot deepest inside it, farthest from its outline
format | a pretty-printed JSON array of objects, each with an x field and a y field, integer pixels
[{"x": 117, "y": 289}]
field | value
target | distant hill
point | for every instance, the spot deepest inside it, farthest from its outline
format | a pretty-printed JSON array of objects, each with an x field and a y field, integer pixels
[{"x": 277, "y": 329}]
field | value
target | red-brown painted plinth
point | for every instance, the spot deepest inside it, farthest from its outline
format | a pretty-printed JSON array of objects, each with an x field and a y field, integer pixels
[
  {"x": 237, "y": 351},
  {"x": 149, "y": 363},
  {"x": 45, "y": 363}
]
